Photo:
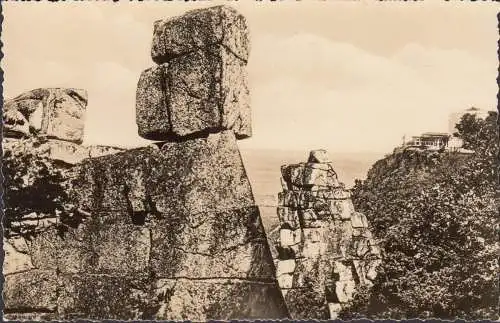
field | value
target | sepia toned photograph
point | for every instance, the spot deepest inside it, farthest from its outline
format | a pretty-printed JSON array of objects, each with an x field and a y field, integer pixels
[{"x": 250, "y": 160}]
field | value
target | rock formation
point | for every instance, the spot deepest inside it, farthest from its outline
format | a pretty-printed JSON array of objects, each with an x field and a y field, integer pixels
[
  {"x": 43, "y": 130},
  {"x": 200, "y": 85},
  {"x": 325, "y": 249},
  {"x": 169, "y": 231},
  {"x": 55, "y": 113}
]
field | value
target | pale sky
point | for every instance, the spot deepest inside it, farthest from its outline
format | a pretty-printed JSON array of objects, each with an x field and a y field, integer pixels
[{"x": 348, "y": 76}]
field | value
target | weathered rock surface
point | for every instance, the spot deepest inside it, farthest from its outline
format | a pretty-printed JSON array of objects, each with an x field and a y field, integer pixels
[
  {"x": 208, "y": 91},
  {"x": 169, "y": 231},
  {"x": 222, "y": 298},
  {"x": 55, "y": 150},
  {"x": 34, "y": 289},
  {"x": 16, "y": 250},
  {"x": 152, "y": 115},
  {"x": 204, "y": 231},
  {"x": 325, "y": 250},
  {"x": 36, "y": 171},
  {"x": 161, "y": 232},
  {"x": 149, "y": 177},
  {"x": 219, "y": 25},
  {"x": 201, "y": 85},
  {"x": 54, "y": 113},
  {"x": 202, "y": 91}
]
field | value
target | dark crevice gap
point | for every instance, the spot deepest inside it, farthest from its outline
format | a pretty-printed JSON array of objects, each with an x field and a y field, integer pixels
[
  {"x": 202, "y": 134},
  {"x": 137, "y": 217},
  {"x": 166, "y": 58}
]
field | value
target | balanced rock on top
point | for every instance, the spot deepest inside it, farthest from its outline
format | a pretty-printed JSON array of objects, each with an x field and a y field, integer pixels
[
  {"x": 200, "y": 85},
  {"x": 218, "y": 25}
]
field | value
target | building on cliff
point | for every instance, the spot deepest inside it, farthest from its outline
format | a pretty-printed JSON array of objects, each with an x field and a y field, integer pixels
[
  {"x": 429, "y": 141},
  {"x": 443, "y": 141},
  {"x": 435, "y": 141}
]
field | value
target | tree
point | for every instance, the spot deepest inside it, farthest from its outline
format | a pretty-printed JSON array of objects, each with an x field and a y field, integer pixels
[
  {"x": 436, "y": 214},
  {"x": 35, "y": 188}
]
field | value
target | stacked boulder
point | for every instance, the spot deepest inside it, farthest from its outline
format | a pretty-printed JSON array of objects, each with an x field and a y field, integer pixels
[
  {"x": 169, "y": 231},
  {"x": 325, "y": 249},
  {"x": 200, "y": 83}
]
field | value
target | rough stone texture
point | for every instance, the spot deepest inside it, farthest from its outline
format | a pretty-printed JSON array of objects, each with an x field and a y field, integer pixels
[
  {"x": 225, "y": 299},
  {"x": 33, "y": 289},
  {"x": 218, "y": 25},
  {"x": 201, "y": 85},
  {"x": 149, "y": 178},
  {"x": 54, "y": 113},
  {"x": 57, "y": 150},
  {"x": 325, "y": 249},
  {"x": 36, "y": 173},
  {"x": 229, "y": 244},
  {"x": 202, "y": 91},
  {"x": 152, "y": 115},
  {"x": 169, "y": 231},
  {"x": 16, "y": 250},
  {"x": 99, "y": 296},
  {"x": 196, "y": 200},
  {"x": 40, "y": 243},
  {"x": 209, "y": 91},
  {"x": 319, "y": 156}
]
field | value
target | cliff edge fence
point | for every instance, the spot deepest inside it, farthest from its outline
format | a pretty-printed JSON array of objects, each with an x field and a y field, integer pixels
[{"x": 169, "y": 231}]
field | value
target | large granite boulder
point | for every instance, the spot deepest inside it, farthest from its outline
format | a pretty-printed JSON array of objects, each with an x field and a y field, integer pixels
[
  {"x": 169, "y": 231},
  {"x": 202, "y": 87},
  {"x": 53, "y": 112},
  {"x": 37, "y": 173},
  {"x": 152, "y": 113},
  {"x": 200, "y": 28},
  {"x": 201, "y": 92},
  {"x": 325, "y": 249}
]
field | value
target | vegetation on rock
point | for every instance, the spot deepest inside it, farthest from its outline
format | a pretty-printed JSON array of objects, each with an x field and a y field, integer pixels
[
  {"x": 436, "y": 217},
  {"x": 35, "y": 189}
]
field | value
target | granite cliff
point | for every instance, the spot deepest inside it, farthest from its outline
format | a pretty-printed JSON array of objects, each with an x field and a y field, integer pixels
[{"x": 169, "y": 231}]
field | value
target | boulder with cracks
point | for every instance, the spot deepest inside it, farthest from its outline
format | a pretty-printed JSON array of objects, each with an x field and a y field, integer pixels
[
  {"x": 51, "y": 112},
  {"x": 325, "y": 248},
  {"x": 200, "y": 83},
  {"x": 166, "y": 232}
]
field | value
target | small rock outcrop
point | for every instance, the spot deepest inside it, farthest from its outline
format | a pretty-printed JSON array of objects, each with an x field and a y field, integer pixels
[
  {"x": 56, "y": 113},
  {"x": 169, "y": 231},
  {"x": 325, "y": 249}
]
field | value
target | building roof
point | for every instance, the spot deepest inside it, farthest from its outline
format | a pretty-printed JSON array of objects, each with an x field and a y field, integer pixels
[{"x": 435, "y": 134}]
